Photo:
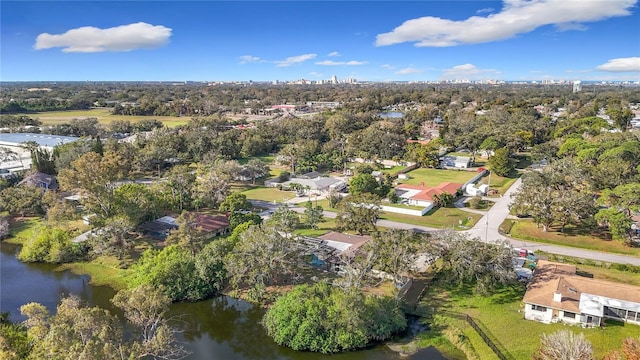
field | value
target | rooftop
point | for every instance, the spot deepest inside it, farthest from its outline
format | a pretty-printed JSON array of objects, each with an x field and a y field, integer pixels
[
  {"x": 43, "y": 140},
  {"x": 549, "y": 278}
]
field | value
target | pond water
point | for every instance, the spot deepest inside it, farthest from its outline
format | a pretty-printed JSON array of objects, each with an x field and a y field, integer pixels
[
  {"x": 390, "y": 114},
  {"x": 219, "y": 328}
]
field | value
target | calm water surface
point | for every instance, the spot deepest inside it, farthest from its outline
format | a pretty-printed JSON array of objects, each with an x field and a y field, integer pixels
[
  {"x": 390, "y": 114},
  {"x": 219, "y": 328}
]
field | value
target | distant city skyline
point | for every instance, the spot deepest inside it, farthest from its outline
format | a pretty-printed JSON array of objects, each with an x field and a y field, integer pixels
[{"x": 512, "y": 40}]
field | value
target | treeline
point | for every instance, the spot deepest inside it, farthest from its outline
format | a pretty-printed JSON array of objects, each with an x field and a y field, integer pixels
[{"x": 203, "y": 100}]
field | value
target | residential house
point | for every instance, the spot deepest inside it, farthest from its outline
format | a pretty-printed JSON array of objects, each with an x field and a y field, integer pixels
[
  {"x": 159, "y": 229},
  {"x": 41, "y": 180},
  {"x": 211, "y": 225},
  {"x": 460, "y": 162},
  {"x": 557, "y": 294},
  {"x": 344, "y": 243},
  {"x": 319, "y": 185},
  {"x": 419, "y": 195}
]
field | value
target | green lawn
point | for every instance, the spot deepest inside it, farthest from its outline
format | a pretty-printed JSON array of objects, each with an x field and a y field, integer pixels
[
  {"x": 526, "y": 230},
  {"x": 102, "y": 271},
  {"x": 22, "y": 229},
  {"x": 498, "y": 183},
  {"x": 267, "y": 159},
  {"x": 440, "y": 218},
  {"x": 269, "y": 194},
  {"x": 501, "y": 316},
  {"x": 434, "y": 177},
  {"x": 323, "y": 228},
  {"x": 104, "y": 117}
]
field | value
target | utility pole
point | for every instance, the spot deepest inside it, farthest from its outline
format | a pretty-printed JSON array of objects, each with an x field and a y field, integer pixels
[{"x": 486, "y": 229}]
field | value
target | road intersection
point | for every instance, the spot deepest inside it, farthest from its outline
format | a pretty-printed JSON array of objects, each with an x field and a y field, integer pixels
[{"x": 487, "y": 229}]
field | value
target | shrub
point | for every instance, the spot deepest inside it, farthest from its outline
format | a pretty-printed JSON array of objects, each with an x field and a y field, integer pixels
[{"x": 476, "y": 202}]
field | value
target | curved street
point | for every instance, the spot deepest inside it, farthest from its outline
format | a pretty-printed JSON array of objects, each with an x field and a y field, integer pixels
[{"x": 486, "y": 229}]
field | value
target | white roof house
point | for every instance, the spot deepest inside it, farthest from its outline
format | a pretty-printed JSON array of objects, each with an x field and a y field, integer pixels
[
  {"x": 14, "y": 143},
  {"x": 461, "y": 162}
]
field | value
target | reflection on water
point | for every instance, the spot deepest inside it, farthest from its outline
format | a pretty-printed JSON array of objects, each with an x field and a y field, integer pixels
[
  {"x": 234, "y": 327},
  {"x": 390, "y": 114},
  {"x": 219, "y": 328}
]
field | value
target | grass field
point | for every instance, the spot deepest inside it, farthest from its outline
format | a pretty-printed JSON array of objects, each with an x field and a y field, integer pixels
[
  {"x": 526, "y": 230},
  {"x": 498, "y": 183},
  {"x": 268, "y": 194},
  {"x": 501, "y": 316},
  {"x": 323, "y": 228},
  {"x": 441, "y": 218},
  {"x": 103, "y": 271},
  {"x": 22, "y": 229},
  {"x": 104, "y": 117},
  {"x": 434, "y": 177}
]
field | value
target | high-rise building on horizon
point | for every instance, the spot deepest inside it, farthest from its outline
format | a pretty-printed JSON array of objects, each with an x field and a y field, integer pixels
[{"x": 577, "y": 86}]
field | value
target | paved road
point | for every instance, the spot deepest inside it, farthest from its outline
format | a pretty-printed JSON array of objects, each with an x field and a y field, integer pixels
[{"x": 486, "y": 229}]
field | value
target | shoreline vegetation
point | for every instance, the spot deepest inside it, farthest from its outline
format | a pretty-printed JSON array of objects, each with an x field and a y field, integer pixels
[{"x": 452, "y": 337}]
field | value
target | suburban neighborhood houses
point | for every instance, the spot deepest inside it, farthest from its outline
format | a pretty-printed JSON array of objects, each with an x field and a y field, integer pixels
[{"x": 442, "y": 216}]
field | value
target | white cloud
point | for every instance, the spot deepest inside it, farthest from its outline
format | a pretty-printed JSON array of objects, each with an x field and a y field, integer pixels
[
  {"x": 516, "y": 17},
  {"x": 249, "y": 59},
  {"x": 408, "y": 70},
  {"x": 337, "y": 63},
  {"x": 467, "y": 71},
  {"x": 90, "y": 39},
  {"x": 333, "y": 53},
  {"x": 485, "y": 10},
  {"x": 294, "y": 60},
  {"x": 621, "y": 65},
  {"x": 578, "y": 71},
  {"x": 571, "y": 26},
  {"x": 387, "y": 66}
]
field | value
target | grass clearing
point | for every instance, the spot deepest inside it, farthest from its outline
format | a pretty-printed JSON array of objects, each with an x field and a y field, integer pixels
[
  {"x": 501, "y": 316},
  {"x": 498, "y": 183},
  {"x": 324, "y": 227},
  {"x": 268, "y": 194},
  {"x": 102, "y": 271},
  {"x": 434, "y": 177},
  {"x": 22, "y": 229},
  {"x": 527, "y": 230},
  {"x": 103, "y": 115},
  {"x": 440, "y": 218}
]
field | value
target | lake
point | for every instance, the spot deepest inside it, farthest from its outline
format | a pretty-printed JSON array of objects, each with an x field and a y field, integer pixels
[
  {"x": 218, "y": 328},
  {"x": 390, "y": 114}
]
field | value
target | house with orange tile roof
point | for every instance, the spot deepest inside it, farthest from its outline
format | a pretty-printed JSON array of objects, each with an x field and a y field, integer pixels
[
  {"x": 420, "y": 195},
  {"x": 557, "y": 294}
]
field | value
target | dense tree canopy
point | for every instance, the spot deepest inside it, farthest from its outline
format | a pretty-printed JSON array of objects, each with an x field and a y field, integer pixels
[{"x": 325, "y": 319}]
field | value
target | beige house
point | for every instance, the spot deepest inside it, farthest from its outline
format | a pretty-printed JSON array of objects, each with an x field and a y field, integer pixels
[{"x": 557, "y": 294}]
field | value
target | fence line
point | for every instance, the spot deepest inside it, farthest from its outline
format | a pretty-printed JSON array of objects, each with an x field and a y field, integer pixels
[{"x": 479, "y": 330}]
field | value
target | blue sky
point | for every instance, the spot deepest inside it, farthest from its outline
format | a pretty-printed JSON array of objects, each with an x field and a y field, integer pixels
[{"x": 274, "y": 40}]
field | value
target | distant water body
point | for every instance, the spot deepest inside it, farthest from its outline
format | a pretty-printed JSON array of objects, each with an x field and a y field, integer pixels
[{"x": 391, "y": 114}]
